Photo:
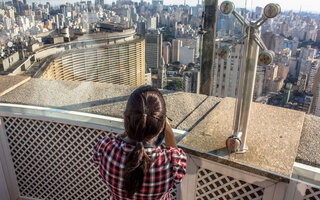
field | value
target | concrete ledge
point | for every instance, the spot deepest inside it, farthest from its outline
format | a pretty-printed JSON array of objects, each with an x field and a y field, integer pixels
[
  {"x": 96, "y": 98},
  {"x": 309, "y": 148},
  {"x": 273, "y": 136},
  {"x": 9, "y": 83},
  {"x": 199, "y": 113}
]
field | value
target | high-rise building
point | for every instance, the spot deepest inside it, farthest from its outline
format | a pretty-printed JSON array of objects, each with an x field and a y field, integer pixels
[
  {"x": 176, "y": 45},
  {"x": 271, "y": 75},
  {"x": 284, "y": 29},
  {"x": 283, "y": 71},
  {"x": 302, "y": 82},
  {"x": 191, "y": 82},
  {"x": 267, "y": 37},
  {"x": 11, "y": 13},
  {"x": 305, "y": 59},
  {"x": 274, "y": 77},
  {"x": 313, "y": 71},
  {"x": 121, "y": 62},
  {"x": 141, "y": 28},
  {"x": 318, "y": 36},
  {"x": 226, "y": 73},
  {"x": 315, "y": 105},
  {"x": 153, "y": 49},
  {"x": 152, "y": 23},
  {"x": 292, "y": 45},
  {"x": 16, "y": 5},
  {"x": 166, "y": 52},
  {"x": 307, "y": 52},
  {"x": 162, "y": 75},
  {"x": 278, "y": 43},
  {"x": 258, "y": 86}
]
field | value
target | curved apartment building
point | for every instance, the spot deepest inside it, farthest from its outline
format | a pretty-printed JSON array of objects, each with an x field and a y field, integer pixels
[{"x": 119, "y": 61}]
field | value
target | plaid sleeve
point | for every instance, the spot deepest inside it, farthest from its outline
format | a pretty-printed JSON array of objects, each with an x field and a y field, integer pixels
[
  {"x": 99, "y": 148},
  {"x": 179, "y": 163}
]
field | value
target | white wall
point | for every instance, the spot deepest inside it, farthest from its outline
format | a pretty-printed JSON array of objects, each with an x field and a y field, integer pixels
[{"x": 4, "y": 194}]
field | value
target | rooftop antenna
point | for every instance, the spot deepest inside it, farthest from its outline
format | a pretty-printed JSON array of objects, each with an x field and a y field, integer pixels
[{"x": 237, "y": 142}]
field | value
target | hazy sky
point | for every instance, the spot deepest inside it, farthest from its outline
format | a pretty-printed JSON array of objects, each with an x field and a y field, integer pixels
[{"x": 306, "y": 5}]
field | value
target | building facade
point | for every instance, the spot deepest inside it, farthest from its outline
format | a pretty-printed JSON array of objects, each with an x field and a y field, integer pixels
[
  {"x": 315, "y": 105},
  {"x": 153, "y": 49},
  {"x": 227, "y": 73},
  {"x": 191, "y": 82},
  {"x": 122, "y": 64},
  {"x": 176, "y": 45},
  {"x": 162, "y": 75}
]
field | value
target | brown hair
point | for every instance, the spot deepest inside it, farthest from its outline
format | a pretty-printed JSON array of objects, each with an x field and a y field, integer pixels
[{"x": 144, "y": 117}]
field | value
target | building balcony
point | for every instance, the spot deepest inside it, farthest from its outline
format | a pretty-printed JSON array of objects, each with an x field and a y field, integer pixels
[{"x": 48, "y": 129}]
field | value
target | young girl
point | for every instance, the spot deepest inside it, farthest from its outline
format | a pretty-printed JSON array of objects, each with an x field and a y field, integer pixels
[{"x": 136, "y": 165}]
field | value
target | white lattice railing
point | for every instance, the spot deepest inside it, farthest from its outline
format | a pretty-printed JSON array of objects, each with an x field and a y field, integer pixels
[{"x": 46, "y": 154}]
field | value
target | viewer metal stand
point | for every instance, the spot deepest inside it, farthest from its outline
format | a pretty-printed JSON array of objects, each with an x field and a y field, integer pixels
[{"x": 252, "y": 41}]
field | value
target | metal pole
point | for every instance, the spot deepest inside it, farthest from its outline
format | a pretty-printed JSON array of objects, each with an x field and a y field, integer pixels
[
  {"x": 237, "y": 142},
  {"x": 208, "y": 46},
  {"x": 246, "y": 87}
]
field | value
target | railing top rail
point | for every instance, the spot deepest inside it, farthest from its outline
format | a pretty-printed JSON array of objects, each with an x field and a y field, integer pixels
[{"x": 60, "y": 114}]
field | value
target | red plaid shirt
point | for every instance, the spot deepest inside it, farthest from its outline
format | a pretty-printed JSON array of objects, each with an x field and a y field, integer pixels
[{"x": 168, "y": 168}]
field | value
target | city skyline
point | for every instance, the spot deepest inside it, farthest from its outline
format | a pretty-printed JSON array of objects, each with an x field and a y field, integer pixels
[
  {"x": 295, "y": 5},
  {"x": 171, "y": 32}
]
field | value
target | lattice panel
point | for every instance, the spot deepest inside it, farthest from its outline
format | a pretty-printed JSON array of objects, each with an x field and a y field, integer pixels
[
  {"x": 212, "y": 185},
  {"x": 174, "y": 192},
  {"x": 54, "y": 160},
  {"x": 312, "y": 193}
]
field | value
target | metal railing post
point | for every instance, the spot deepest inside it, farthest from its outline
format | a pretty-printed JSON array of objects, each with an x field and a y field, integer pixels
[
  {"x": 252, "y": 43},
  {"x": 246, "y": 89}
]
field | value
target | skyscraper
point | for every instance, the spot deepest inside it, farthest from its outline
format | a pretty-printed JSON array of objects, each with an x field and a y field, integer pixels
[
  {"x": 152, "y": 23},
  {"x": 166, "y": 52},
  {"x": 227, "y": 73},
  {"x": 162, "y": 75},
  {"x": 153, "y": 49},
  {"x": 258, "y": 86},
  {"x": 274, "y": 77},
  {"x": 315, "y": 105},
  {"x": 313, "y": 71},
  {"x": 141, "y": 28},
  {"x": 117, "y": 63},
  {"x": 305, "y": 59},
  {"x": 176, "y": 44},
  {"x": 191, "y": 82},
  {"x": 302, "y": 82}
]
